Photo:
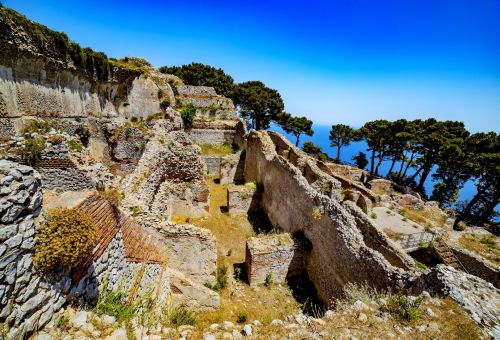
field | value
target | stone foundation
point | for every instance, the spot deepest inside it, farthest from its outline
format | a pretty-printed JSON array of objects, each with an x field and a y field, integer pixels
[{"x": 268, "y": 256}]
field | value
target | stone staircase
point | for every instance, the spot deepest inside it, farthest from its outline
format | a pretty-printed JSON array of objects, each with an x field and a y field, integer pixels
[{"x": 447, "y": 255}]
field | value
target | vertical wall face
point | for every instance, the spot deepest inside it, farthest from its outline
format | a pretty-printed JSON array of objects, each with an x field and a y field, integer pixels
[
  {"x": 338, "y": 254},
  {"x": 27, "y": 300}
]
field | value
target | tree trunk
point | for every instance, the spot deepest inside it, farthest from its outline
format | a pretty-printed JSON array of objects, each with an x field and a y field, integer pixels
[
  {"x": 408, "y": 164},
  {"x": 415, "y": 174},
  {"x": 297, "y": 141},
  {"x": 380, "y": 159},
  {"x": 338, "y": 153},
  {"x": 489, "y": 210},
  {"x": 464, "y": 214},
  {"x": 372, "y": 162},
  {"x": 392, "y": 165},
  {"x": 427, "y": 170}
]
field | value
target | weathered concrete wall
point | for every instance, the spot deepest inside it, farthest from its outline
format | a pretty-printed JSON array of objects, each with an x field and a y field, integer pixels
[
  {"x": 474, "y": 265},
  {"x": 268, "y": 256},
  {"x": 339, "y": 254},
  {"x": 232, "y": 168}
]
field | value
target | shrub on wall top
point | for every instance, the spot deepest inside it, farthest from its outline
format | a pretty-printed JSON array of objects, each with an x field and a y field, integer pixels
[
  {"x": 187, "y": 114},
  {"x": 66, "y": 238}
]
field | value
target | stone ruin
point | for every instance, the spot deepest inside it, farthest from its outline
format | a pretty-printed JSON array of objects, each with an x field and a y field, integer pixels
[{"x": 159, "y": 168}]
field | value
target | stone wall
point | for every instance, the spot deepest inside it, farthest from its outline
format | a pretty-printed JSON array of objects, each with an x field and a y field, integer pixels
[
  {"x": 212, "y": 137},
  {"x": 241, "y": 198},
  {"x": 339, "y": 253},
  {"x": 475, "y": 265},
  {"x": 213, "y": 164},
  {"x": 319, "y": 180},
  {"x": 190, "y": 250},
  {"x": 29, "y": 298},
  {"x": 268, "y": 257},
  {"x": 378, "y": 240}
]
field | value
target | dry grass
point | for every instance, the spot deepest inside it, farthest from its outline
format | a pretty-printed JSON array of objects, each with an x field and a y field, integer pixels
[
  {"x": 426, "y": 217},
  {"x": 216, "y": 149},
  {"x": 392, "y": 234},
  {"x": 485, "y": 246},
  {"x": 259, "y": 303},
  {"x": 231, "y": 231}
]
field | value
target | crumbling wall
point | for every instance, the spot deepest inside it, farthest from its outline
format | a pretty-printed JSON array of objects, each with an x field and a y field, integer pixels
[
  {"x": 319, "y": 180},
  {"x": 339, "y": 254},
  {"x": 173, "y": 167},
  {"x": 377, "y": 240},
  {"x": 190, "y": 250}
]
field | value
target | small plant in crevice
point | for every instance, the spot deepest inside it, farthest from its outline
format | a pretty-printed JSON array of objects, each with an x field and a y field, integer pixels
[
  {"x": 63, "y": 322},
  {"x": 317, "y": 213},
  {"x": 32, "y": 150},
  {"x": 222, "y": 280},
  {"x": 373, "y": 215},
  {"x": 268, "y": 283},
  {"x": 242, "y": 317},
  {"x": 73, "y": 144},
  {"x": 135, "y": 210},
  {"x": 165, "y": 103},
  {"x": 420, "y": 265}
]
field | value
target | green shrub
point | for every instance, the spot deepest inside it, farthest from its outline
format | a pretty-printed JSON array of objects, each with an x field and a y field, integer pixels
[
  {"x": 401, "y": 306},
  {"x": 134, "y": 119},
  {"x": 187, "y": 114},
  {"x": 269, "y": 280},
  {"x": 373, "y": 215},
  {"x": 32, "y": 150},
  {"x": 73, "y": 144},
  {"x": 160, "y": 93},
  {"x": 67, "y": 237},
  {"x": 242, "y": 317},
  {"x": 113, "y": 196}
]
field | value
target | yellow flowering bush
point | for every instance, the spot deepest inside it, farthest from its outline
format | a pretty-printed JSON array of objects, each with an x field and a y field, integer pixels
[{"x": 67, "y": 237}]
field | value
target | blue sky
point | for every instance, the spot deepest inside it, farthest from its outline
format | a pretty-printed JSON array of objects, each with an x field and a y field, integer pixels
[{"x": 346, "y": 61}]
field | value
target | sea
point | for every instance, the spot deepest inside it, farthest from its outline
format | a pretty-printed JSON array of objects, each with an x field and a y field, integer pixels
[{"x": 320, "y": 138}]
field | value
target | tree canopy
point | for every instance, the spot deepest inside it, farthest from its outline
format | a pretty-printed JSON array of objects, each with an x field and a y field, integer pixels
[
  {"x": 258, "y": 104},
  {"x": 296, "y": 126},
  {"x": 312, "y": 149},
  {"x": 203, "y": 75},
  {"x": 341, "y": 135}
]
